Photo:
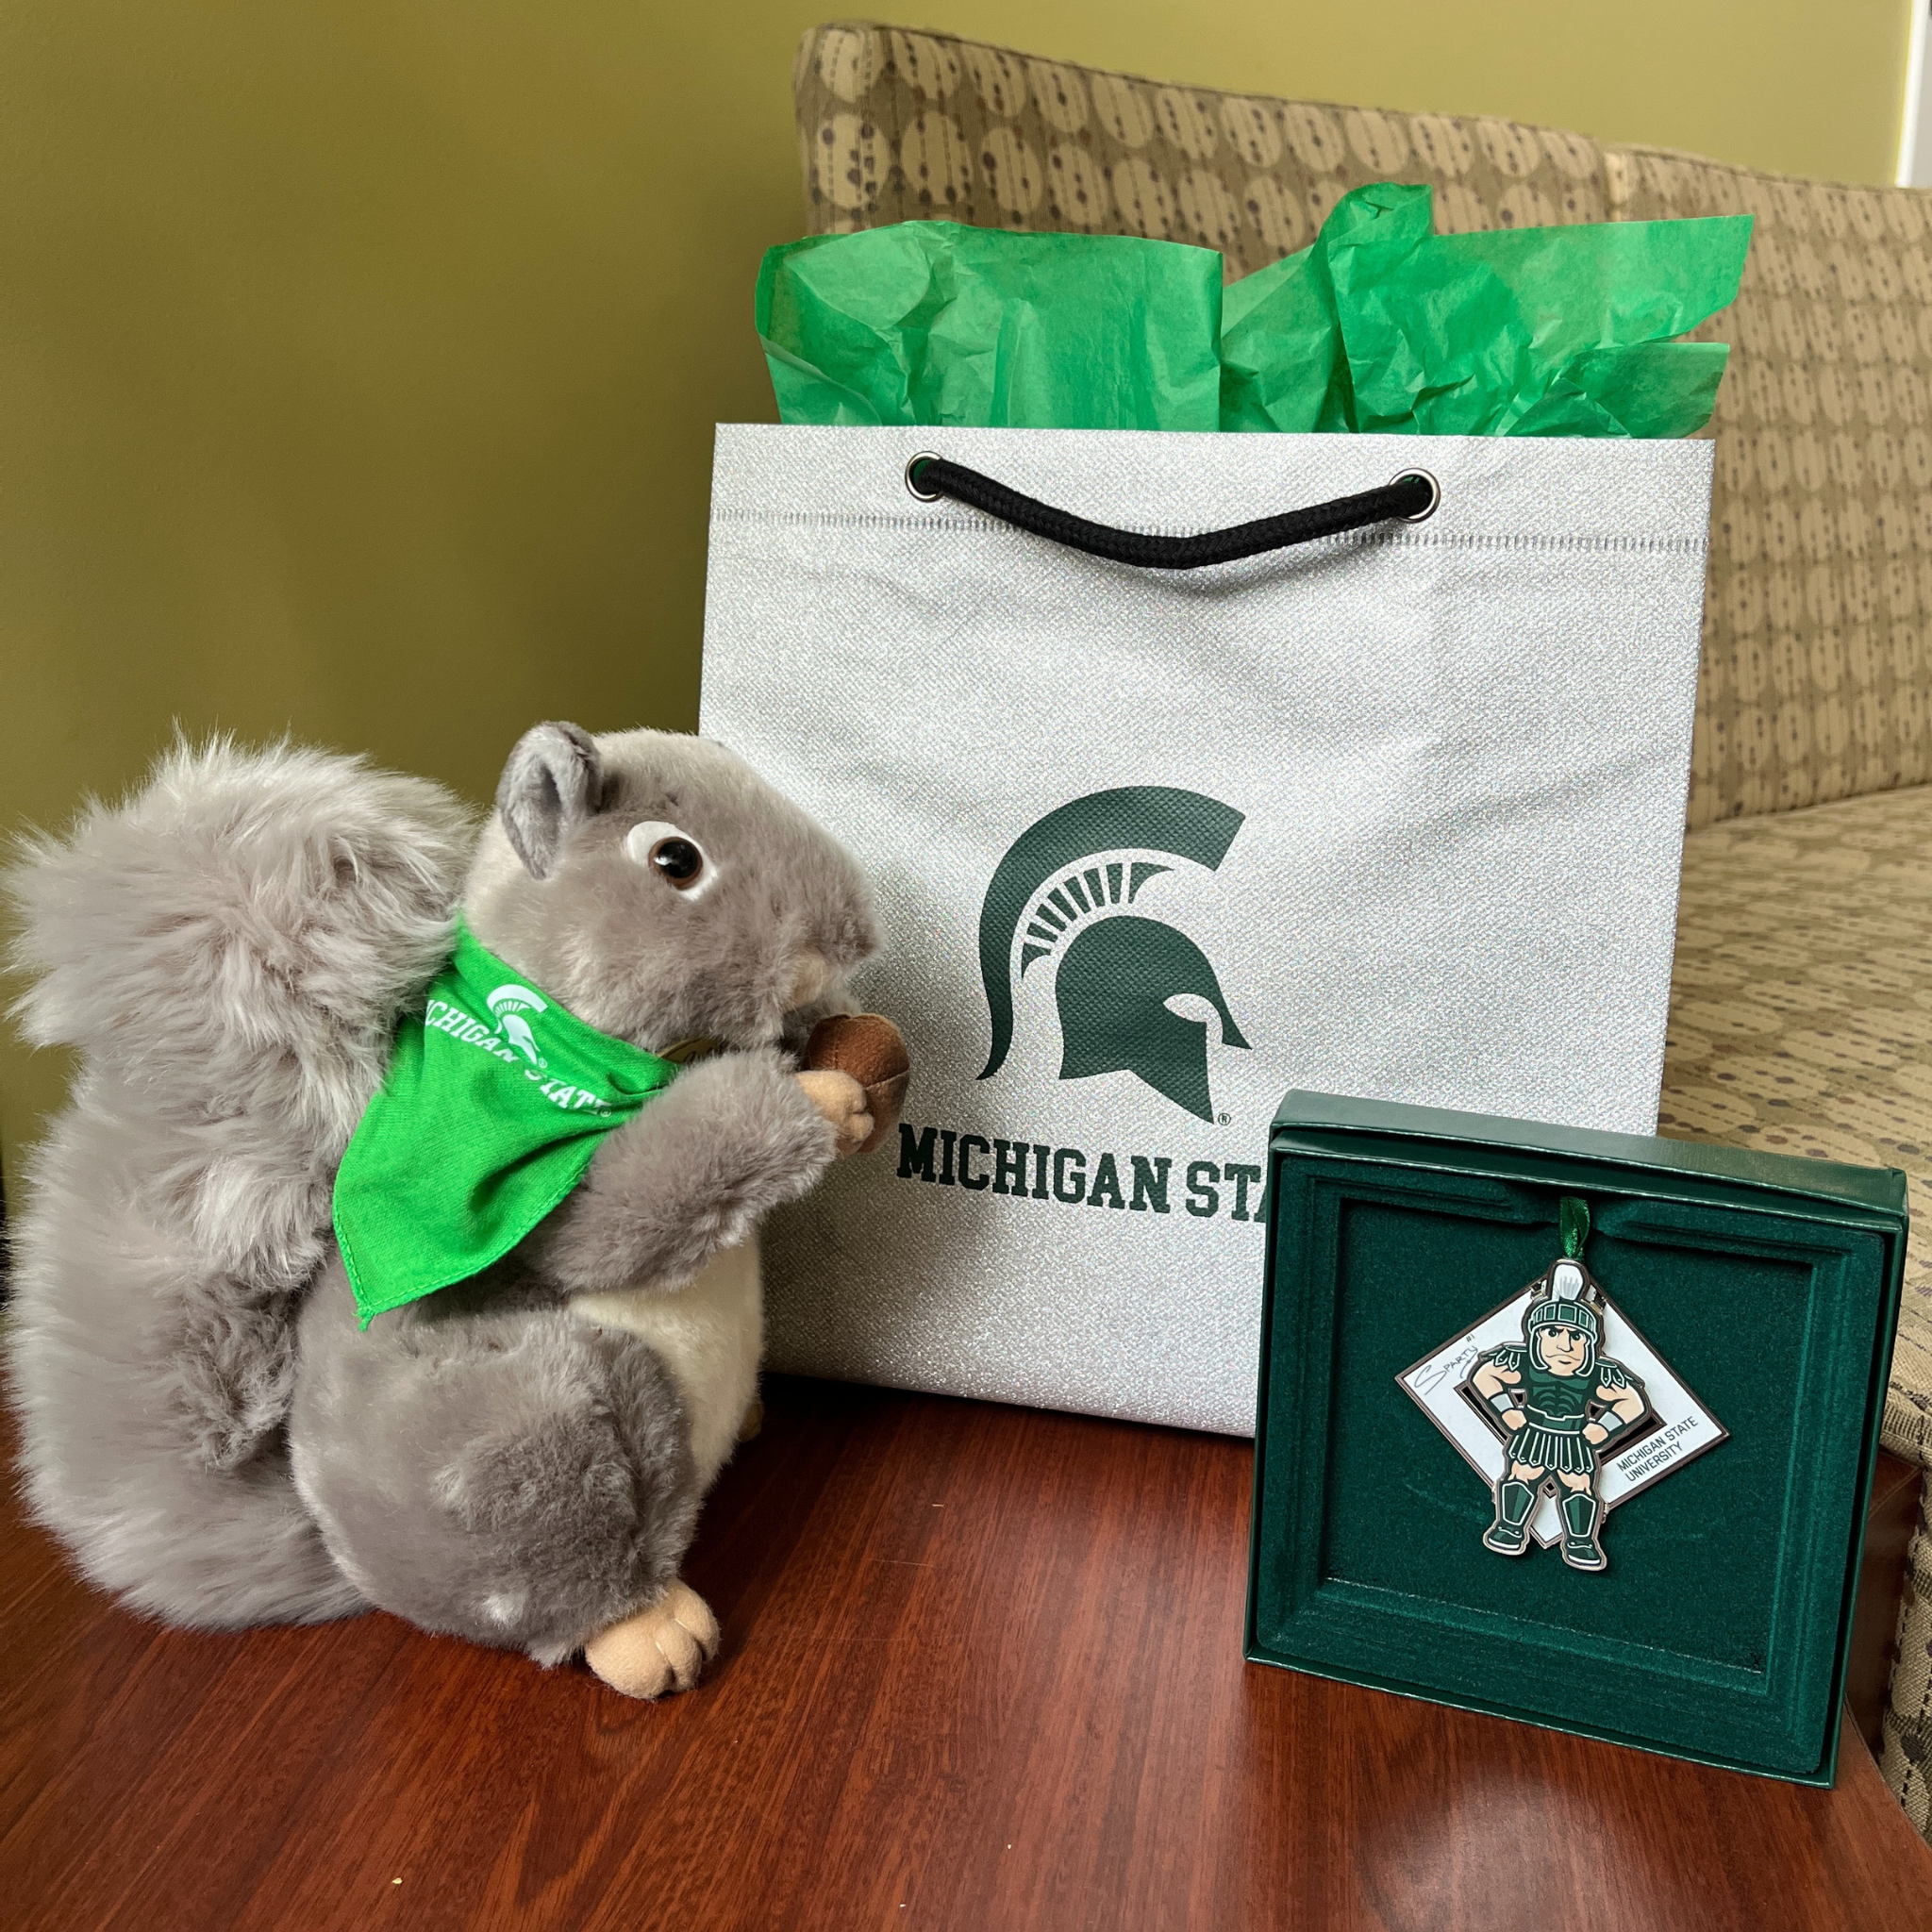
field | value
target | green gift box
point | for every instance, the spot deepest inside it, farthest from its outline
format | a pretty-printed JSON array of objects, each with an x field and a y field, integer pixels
[{"x": 1686, "y": 1345}]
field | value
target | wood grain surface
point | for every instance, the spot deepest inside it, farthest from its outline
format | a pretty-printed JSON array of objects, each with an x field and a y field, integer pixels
[{"x": 982, "y": 1670}]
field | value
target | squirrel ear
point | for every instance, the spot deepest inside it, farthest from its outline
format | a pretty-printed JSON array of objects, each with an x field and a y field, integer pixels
[{"x": 551, "y": 782}]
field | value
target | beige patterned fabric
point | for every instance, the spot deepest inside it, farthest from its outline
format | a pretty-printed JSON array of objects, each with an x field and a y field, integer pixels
[
  {"x": 1818, "y": 622},
  {"x": 1800, "y": 1021},
  {"x": 1801, "y": 1018},
  {"x": 1908, "y": 1715},
  {"x": 896, "y": 126}
]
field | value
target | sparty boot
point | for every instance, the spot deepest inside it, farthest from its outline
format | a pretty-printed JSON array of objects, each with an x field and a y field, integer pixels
[
  {"x": 1581, "y": 1550},
  {"x": 1507, "y": 1535}
]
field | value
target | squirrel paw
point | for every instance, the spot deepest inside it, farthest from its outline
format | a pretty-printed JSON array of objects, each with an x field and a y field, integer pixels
[
  {"x": 842, "y": 1100},
  {"x": 659, "y": 1650},
  {"x": 870, "y": 1048}
]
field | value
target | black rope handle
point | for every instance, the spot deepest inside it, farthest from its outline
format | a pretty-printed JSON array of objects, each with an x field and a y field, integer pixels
[{"x": 1410, "y": 498}]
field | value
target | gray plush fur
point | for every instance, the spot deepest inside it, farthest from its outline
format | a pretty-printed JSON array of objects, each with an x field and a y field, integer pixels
[
  {"x": 650, "y": 964},
  {"x": 230, "y": 951},
  {"x": 484, "y": 1463},
  {"x": 695, "y": 1172},
  {"x": 549, "y": 785}
]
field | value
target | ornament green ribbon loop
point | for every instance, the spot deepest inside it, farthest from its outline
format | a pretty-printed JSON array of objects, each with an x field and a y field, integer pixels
[
  {"x": 496, "y": 1100},
  {"x": 1572, "y": 1216}
]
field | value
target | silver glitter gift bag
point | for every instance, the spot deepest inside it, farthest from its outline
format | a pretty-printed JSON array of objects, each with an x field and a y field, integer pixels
[{"x": 1394, "y": 813}]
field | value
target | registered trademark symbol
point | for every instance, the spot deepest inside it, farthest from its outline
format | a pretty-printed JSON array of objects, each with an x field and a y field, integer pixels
[{"x": 1223, "y": 1119}]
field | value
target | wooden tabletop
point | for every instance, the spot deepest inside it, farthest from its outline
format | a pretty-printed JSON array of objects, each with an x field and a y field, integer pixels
[{"x": 982, "y": 1670}]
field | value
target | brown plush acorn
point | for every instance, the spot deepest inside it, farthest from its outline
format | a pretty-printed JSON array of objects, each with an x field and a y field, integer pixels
[{"x": 870, "y": 1048}]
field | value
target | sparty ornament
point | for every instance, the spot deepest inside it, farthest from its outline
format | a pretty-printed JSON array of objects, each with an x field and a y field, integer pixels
[
  {"x": 1562, "y": 1406},
  {"x": 1562, "y": 1399}
]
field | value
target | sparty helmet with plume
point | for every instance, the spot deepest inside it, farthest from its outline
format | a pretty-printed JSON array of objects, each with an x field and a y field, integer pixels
[{"x": 1570, "y": 1299}]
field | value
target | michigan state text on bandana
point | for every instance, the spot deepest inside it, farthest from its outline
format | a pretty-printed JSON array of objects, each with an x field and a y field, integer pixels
[{"x": 496, "y": 1100}]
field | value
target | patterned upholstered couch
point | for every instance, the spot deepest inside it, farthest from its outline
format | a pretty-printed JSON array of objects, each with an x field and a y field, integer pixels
[{"x": 1802, "y": 1012}]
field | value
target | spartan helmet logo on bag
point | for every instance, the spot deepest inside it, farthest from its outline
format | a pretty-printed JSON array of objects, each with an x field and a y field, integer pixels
[{"x": 1064, "y": 892}]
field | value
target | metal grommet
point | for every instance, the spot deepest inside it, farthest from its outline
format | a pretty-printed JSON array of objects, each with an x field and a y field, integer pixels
[
  {"x": 1420, "y": 516},
  {"x": 926, "y": 455}
]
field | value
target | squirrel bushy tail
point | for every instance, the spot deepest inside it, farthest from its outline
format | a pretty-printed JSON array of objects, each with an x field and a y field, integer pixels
[{"x": 228, "y": 950}]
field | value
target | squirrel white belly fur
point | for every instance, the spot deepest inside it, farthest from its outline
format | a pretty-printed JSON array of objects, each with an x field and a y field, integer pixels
[
  {"x": 519, "y": 1458},
  {"x": 710, "y": 1334}
]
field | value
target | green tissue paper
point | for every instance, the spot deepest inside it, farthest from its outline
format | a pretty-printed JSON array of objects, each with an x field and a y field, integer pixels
[
  {"x": 930, "y": 322},
  {"x": 1382, "y": 324},
  {"x": 1379, "y": 325}
]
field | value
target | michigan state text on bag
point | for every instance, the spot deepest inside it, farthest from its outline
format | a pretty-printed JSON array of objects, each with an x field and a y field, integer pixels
[{"x": 1398, "y": 813}]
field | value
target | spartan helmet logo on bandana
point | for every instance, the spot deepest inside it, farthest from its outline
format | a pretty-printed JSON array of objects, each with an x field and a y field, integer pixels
[
  {"x": 1064, "y": 889},
  {"x": 509, "y": 1004}
]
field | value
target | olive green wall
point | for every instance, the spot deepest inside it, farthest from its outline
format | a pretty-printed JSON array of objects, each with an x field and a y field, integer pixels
[{"x": 358, "y": 362}]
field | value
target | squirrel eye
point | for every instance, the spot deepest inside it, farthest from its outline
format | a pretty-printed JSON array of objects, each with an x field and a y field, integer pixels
[
  {"x": 679, "y": 860},
  {"x": 673, "y": 854}
]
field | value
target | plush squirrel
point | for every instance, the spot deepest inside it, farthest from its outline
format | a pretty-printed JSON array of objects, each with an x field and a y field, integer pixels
[{"x": 519, "y": 1457}]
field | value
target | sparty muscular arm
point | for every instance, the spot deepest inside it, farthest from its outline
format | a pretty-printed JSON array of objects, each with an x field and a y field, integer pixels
[
  {"x": 1493, "y": 1381},
  {"x": 1626, "y": 1399}
]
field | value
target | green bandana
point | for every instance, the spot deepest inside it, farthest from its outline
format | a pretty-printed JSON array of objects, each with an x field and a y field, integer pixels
[{"x": 496, "y": 1100}]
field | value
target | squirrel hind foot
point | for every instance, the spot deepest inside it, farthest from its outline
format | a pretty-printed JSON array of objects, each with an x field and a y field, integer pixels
[{"x": 658, "y": 1651}]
